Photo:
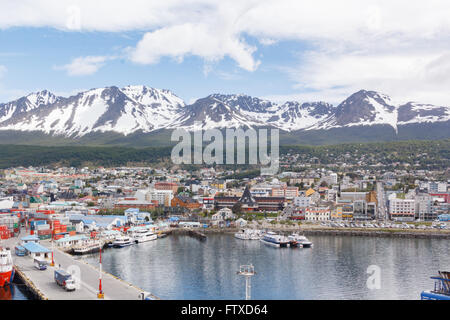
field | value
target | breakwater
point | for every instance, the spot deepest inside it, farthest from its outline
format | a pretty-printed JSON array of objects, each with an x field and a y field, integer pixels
[{"x": 378, "y": 233}]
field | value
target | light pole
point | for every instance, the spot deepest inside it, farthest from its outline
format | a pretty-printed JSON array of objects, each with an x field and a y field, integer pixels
[
  {"x": 247, "y": 271},
  {"x": 53, "y": 234},
  {"x": 100, "y": 294}
]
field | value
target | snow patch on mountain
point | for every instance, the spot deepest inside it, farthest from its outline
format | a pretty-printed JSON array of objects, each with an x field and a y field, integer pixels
[{"x": 141, "y": 108}]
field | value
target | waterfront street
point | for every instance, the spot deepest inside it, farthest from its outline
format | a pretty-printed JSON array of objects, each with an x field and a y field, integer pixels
[{"x": 113, "y": 287}]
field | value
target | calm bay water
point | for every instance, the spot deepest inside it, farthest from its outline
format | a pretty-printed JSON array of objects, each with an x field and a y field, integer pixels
[
  {"x": 14, "y": 292},
  {"x": 180, "y": 267}
]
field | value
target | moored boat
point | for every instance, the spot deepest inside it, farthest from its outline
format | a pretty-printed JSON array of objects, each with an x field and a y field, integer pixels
[
  {"x": 275, "y": 240},
  {"x": 441, "y": 289},
  {"x": 301, "y": 240},
  {"x": 6, "y": 267},
  {"x": 248, "y": 234},
  {"x": 122, "y": 241},
  {"x": 91, "y": 247},
  {"x": 144, "y": 236}
]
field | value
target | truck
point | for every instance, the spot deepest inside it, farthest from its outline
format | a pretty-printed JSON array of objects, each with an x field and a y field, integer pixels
[
  {"x": 40, "y": 264},
  {"x": 65, "y": 280}
]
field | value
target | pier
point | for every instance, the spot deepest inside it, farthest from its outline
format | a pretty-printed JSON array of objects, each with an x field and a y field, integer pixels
[
  {"x": 43, "y": 286},
  {"x": 190, "y": 232}
]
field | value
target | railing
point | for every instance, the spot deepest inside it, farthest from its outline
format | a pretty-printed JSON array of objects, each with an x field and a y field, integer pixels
[{"x": 441, "y": 285}]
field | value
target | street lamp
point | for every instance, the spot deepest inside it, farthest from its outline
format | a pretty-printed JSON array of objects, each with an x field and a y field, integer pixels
[
  {"x": 53, "y": 234},
  {"x": 247, "y": 271},
  {"x": 100, "y": 294}
]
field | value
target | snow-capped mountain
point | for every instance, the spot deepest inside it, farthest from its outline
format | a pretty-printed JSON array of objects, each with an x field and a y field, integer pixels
[
  {"x": 364, "y": 108},
  {"x": 296, "y": 116},
  {"x": 135, "y": 109},
  {"x": 20, "y": 107},
  {"x": 124, "y": 110}
]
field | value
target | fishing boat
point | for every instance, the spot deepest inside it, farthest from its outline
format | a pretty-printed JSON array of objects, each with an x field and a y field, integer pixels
[
  {"x": 248, "y": 234},
  {"x": 441, "y": 289},
  {"x": 144, "y": 236},
  {"x": 6, "y": 267},
  {"x": 302, "y": 241},
  {"x": 90, "y": 247},
  {"x": 275, "y": 240},
  {"x": 122, "y": 241}
]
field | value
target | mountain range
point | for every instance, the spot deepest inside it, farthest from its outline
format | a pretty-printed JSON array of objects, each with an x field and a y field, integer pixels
[{"x": 140, "y": 115}]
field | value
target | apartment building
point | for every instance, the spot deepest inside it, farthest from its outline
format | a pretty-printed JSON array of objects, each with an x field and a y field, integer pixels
[{"x": 402, "y": 209}]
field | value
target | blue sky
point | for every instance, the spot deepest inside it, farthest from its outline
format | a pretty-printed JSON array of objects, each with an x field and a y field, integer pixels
[
  {"x": 33, "y": 57},
  {"x": 276, "y": 49}
]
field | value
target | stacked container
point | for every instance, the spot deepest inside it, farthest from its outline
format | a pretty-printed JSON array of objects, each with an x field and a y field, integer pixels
[
  {"x": 11, "y": 222},
  {"x": 4, "y": 232}
]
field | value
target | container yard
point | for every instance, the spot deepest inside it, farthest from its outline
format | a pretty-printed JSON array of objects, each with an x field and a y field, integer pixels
[{"x": 48, "y": 237}]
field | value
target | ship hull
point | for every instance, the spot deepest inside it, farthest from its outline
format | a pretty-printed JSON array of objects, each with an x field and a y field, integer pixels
[
  {"x": 6, "y": 278},
  {"x": 428, "y": 295}
]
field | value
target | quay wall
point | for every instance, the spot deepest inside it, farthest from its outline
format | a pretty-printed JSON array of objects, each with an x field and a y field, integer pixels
[
  {"x": 21, "y": 278},
  {"x": 377, "y": 233},
  {"x": 315, "y": 230}
]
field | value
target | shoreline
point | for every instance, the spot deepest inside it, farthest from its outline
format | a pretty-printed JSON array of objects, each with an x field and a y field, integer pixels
[{"x": 315, "y": 230}]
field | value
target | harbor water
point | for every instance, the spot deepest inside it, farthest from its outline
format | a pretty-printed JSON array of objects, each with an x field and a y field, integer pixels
[
  {"x": 15, "y": 291},
  {"x": 181, "y": 267}
]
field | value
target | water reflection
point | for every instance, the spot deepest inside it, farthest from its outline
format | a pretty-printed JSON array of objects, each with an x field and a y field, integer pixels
[{"x": 180, "y": 267}]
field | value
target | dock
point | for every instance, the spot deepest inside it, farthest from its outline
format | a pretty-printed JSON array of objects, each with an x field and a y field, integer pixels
[
  {"x": 44, "y": 287},
  {"x": 190, "y": 232}
]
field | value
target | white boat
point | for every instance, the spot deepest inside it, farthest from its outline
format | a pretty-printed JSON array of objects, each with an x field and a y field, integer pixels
[
  {"x": 301, "y": 240},
  {"x": 275, "y": 240},
  {"x": 248, "y": 234},
  {"x": 90, "y": 247},
  {"x": 144, "y": 236},
  {"x": 122, "y": 241}
]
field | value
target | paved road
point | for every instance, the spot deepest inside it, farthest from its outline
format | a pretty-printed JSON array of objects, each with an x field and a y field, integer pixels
[
  {"x": 113, "y": 288},
  {"x": 382, "y": 213}
]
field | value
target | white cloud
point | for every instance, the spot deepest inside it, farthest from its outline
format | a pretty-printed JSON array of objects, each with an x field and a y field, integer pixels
[
  {"x": 400, "y": 47},
  {"x": 83, "y": 66},
  {"x": 422, "y": 77},
  {"x": 193, "y": 39}
]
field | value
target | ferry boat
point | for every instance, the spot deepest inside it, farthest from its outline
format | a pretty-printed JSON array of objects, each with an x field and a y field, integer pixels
[
  {"x": 6, "y": 267},
  {"x": 302, "y": 241},
  {"x": 122, "y": 241},
  {"x": 91, "y": 247},
  {"x": 248, "y": 234},
  {"x": 276, "y": 240},
  {"x": 144, "y": 236},
  {"x": 441, "y": 289}
]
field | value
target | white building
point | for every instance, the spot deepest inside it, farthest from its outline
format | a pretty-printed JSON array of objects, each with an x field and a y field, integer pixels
[
  {"x": 317, "y": 214},
  {"x": 163, "y": 197},
  {"x": 223, "y": 214},
  {"x": 423, "y": 206},
  {"x": 402, "y": 209},
  {"x": 302, "y": 201}
]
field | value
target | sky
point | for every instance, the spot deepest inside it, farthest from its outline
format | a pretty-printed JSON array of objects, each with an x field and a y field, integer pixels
[{"x": 322, "y": 50}]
